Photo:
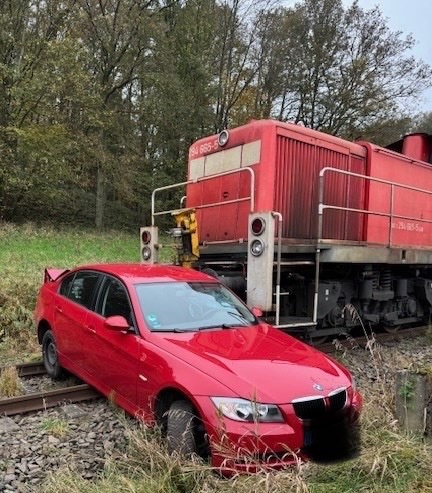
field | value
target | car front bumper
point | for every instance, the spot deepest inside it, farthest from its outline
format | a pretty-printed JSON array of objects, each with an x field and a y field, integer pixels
[{"x": 238, "y": 446}]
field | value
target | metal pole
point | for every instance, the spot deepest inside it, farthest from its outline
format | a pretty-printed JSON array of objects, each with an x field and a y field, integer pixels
[{"x": 278, "y": 215}]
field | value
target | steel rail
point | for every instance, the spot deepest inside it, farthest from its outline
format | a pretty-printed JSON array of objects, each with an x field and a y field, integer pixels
[
  {"x": 30, "y": 369},
  {"x": 38, "y": 401},
  {"x": 363, "y": 341}
]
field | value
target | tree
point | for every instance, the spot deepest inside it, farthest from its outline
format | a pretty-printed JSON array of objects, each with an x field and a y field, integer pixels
[
  {"x": 340, "y": 70},
  {"x": 116, "y": 35}
]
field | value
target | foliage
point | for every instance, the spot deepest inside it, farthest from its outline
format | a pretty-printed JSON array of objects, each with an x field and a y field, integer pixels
[
  {"x": 103, "y": 99},
  {"x": 343, "y": 69}
]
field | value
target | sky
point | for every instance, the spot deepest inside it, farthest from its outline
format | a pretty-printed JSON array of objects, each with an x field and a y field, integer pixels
[{"x": 411, "y": 17}]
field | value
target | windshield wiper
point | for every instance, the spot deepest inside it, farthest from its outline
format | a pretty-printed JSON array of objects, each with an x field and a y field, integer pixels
[
  {"x": 220, "y": 326},
  {"x": 176, "y": 330}
]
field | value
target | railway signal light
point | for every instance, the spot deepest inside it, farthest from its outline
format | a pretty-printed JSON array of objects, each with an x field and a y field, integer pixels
[
  {"x": 149, "y": 238},
  {"x": 260, "y": 260}
]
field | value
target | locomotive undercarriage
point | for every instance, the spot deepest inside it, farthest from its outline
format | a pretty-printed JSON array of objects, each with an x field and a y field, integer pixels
[
  {"x": 375, "y": 295},
  {"x": 349, "y": 295}
]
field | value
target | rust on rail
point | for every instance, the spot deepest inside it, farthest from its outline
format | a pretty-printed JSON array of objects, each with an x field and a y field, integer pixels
[
  {"x": 28, "y": 369},
  {"x": 42, "y": 400}
]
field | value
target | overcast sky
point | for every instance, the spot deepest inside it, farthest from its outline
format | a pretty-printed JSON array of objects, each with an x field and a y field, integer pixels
[{"x": 411, "y": 17}]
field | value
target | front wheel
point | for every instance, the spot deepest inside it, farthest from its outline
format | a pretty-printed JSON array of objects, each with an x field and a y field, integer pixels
[
  {"x": 50, "y": 356},
  {"x": 181, "y": 423}
]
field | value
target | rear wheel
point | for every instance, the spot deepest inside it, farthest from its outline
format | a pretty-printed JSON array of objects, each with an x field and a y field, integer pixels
[
  {"x": 181, "y": 428},
  {"x": 50, "y": 356}
]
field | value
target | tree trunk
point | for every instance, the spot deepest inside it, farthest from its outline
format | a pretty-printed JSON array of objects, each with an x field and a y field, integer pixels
[{"x": 100, "y": 197}]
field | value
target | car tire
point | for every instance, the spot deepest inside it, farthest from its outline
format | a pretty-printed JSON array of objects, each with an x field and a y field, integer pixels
[
  {"x": 50, "y": 356},
  {"x": 181, "y": 424}
]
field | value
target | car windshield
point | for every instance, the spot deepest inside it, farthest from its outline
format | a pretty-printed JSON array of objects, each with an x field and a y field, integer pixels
[{"x": 191, "y": 306}]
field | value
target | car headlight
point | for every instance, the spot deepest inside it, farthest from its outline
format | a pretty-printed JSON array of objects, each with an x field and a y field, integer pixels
[{"x": 245, "y": 410}]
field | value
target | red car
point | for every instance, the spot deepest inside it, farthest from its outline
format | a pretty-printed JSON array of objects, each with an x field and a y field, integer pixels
[{"x": 175, "y": 347}]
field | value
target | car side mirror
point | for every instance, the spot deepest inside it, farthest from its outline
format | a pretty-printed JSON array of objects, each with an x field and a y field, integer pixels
[
  {"x": 117, "y": 323},
  {"x": 257, "y": 312}
]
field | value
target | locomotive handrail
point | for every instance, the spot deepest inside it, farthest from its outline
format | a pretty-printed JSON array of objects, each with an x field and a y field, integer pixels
[
  {"x": 251, "y": 197},
  {"x": 391, "y": 214},
  {"x": 322, "y": 206}
]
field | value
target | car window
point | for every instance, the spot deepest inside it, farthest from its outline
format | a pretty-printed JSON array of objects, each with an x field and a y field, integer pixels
[
  {"x": 66, "y": 284},
  {"x": 114, "y": 300},
  {"x": 81, "y": 288},
  {"x": 191, "y": 306}
]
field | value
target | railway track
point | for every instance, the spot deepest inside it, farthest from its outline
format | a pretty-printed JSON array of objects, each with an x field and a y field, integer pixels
[
  {"x": 42, "y": 400},
  {"x": 380, "y": 337},
  {"x": 37, "y": 401}
]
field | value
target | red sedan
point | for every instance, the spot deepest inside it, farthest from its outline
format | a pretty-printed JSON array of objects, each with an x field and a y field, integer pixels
[{"x": 177, "y": 348}]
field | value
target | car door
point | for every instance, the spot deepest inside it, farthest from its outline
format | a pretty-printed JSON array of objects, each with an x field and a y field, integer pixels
[
  {"x": 112, "y": 357},
  {"x": 72, "y": 304}
]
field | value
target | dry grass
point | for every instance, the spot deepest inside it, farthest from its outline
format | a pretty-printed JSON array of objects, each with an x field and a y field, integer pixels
[
  {"x": 56, "y": 426},
  {"x": 148, "y": 468},
  {"x": 10, "y": 383}
]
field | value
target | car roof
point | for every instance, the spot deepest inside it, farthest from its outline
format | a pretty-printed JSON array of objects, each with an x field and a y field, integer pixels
[{"x": 142, "y": 273}]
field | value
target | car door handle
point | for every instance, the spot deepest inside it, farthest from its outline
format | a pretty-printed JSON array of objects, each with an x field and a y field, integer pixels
[{"x": 59, "y": 309}]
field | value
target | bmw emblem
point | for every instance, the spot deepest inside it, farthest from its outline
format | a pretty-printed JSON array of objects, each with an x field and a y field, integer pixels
[{"x": 318, "y": 387}]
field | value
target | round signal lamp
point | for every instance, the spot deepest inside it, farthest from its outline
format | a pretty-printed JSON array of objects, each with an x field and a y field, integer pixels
[
  {"x": 146, "y": 237},
  {"x": 258, "y": 226},
  {"x": 146, "y": 253},
  {"x": 257, "y": 247}
]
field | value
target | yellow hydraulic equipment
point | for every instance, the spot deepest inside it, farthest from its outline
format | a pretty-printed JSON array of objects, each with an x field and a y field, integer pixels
[{"x": 187, "y": 233}]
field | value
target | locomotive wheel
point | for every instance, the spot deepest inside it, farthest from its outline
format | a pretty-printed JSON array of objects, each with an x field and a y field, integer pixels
[
  {"x": 316, "y": 338},
  {"x": 392, "y": 329}
]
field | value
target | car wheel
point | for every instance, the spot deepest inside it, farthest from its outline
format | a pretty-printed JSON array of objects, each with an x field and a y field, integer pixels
[
  {"x": 181, "y": 424},
  {"x": 50, "y": 356}
]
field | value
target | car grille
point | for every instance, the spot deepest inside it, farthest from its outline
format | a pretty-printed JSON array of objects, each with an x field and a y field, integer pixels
[
  {"x": 320, "y": 407},
  {"x": 337, "y": 401},
  {"x": 310, "y": 409}
]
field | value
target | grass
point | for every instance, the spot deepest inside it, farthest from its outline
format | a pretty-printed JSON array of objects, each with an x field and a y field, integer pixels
[
  {"x": 390, "y": 461},
  {"x": 10, "y": 383},
  {"x": 56, "y": 426},
  {"x": 25, "y": 251}
]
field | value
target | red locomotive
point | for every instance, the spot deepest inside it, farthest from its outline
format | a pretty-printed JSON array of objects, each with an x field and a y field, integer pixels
[{"x": 301, "y": 223}]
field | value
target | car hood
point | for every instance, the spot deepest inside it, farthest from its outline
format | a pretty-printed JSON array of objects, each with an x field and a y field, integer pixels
[{"x": 259, "y": 362}]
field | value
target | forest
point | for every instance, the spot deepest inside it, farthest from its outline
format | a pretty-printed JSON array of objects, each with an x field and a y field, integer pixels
[{"x": 101, "y": 99}]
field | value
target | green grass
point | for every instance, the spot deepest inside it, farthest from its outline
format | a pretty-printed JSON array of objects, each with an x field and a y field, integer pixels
[
  {"x": 390, "y": 460},
  {"x": 56, "y": 426},
  {"x": 25, "y": 251}
]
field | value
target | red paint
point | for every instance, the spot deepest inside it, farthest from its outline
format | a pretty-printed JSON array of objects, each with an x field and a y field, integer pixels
[
  {"x": 286, "y": 181},
  {"x": 387, "y": 165},
  {"x": 254, "y": 362}
]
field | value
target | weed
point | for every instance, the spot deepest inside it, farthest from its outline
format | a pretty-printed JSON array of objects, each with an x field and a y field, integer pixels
[
  {"x": 406, "y": 390},
  {"x": 10, "y": 383},
  {"x": 56, "y": 426}
]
